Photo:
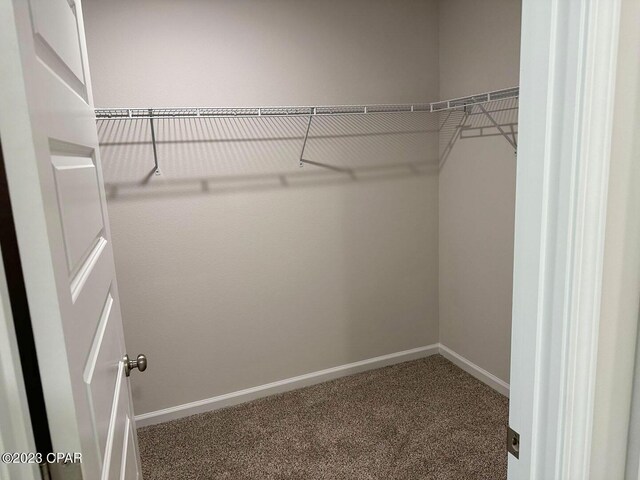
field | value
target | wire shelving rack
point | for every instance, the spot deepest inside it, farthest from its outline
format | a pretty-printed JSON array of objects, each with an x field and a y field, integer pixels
[{"x": 151, "y": 114}]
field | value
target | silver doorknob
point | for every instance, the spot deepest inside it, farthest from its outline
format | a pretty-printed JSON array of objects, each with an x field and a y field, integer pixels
[{"x": 140, "y": 363}]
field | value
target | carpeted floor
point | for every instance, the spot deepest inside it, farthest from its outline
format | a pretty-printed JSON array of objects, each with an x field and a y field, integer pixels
[{"x": 425, "y": 419}]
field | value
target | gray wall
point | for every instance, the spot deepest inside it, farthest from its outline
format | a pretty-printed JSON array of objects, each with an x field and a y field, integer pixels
[
  {"x": 235, "y": 267},
  {"x": 479, "y": 51}
]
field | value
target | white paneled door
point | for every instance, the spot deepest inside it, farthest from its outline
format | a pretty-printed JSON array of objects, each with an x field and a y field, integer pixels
[{"x": 50, "y": 148}]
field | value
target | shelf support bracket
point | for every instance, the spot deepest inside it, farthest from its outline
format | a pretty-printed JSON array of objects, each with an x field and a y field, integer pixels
[
  {"x": 153, "y": 143},
  {"x": 454, "y": 138},
  {"x": 306, "y": 137},
  {"x": 512, "y": 141}
]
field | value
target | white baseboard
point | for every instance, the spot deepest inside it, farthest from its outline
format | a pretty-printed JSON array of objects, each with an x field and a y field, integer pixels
[
  {"x": 473, "y": 369},
  {"x": 241, "y": 396}
]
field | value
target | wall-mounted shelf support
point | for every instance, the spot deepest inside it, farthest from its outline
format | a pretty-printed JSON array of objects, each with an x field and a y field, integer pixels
[
  {"x": 153, "y": 143},
  {"x": 511, "y": 139},
  {"x": 306, "y": 137},
  {"x": 454, "y": 138}
]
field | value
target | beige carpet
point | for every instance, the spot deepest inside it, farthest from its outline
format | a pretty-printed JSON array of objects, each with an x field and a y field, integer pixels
[{"x": 425, "y": 419}]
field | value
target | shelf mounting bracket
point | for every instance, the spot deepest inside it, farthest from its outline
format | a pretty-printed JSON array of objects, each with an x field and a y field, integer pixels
[
  {"x": 511, "y": 139},
  {"x": 153, "y": 143},
  {"x": 306, "y": 137}
]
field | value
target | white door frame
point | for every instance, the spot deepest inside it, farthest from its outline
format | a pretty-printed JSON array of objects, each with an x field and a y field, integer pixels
[{"x": 568, "y": 60}]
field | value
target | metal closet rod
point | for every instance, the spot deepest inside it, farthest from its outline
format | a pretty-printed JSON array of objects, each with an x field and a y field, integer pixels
[{"x": 303, "y": 111}]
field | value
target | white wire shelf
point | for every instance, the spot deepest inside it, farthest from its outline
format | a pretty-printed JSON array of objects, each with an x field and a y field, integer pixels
[
  {"x": 302, "y": 111},
  {"x": 465, "y": 104}
]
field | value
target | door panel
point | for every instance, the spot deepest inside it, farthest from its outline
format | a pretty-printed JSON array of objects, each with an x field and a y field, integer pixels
[
  {"x": 79, "y": 203},
  {"x": 55, "y": 181},
  {"x": 57, "y": 41},
  {"x": 100, "y": 374}
]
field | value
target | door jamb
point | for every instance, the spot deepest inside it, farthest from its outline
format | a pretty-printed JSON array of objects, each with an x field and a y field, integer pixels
[{"x": 567, "y": 87}]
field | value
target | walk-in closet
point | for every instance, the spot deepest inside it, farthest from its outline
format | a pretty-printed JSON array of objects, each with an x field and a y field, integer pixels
[
  {"x": 308, "y": 192},
  {"x": 312, "y": 192},
  {"x": 309, "y": 209}
]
